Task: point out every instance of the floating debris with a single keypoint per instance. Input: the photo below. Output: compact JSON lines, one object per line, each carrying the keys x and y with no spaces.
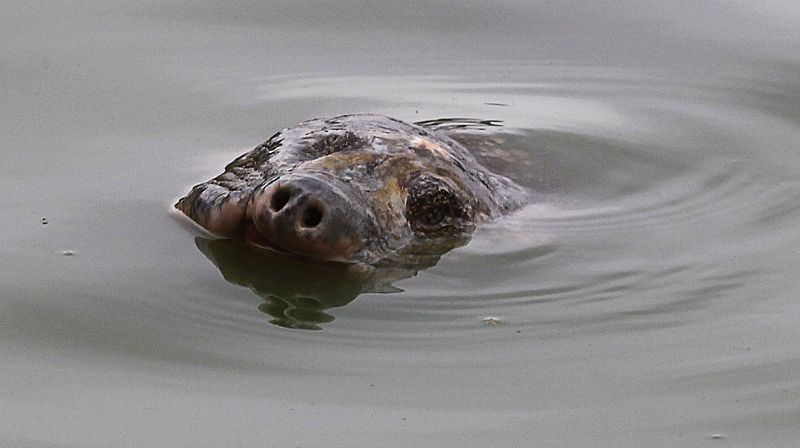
{"x":716,"y":436}
{"x":492,"y":321}
{"x":44,"y":221}
{"x":68,"y":253}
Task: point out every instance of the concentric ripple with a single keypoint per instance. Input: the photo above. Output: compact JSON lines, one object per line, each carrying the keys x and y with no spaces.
{"x":649,"y":198}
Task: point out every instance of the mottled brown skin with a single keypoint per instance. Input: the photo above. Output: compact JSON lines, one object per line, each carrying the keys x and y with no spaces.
{"x":353,"y":188}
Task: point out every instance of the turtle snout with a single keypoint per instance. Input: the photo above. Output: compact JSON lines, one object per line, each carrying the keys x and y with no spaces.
{"x":309,"y":217}
{"x":304,"y":213}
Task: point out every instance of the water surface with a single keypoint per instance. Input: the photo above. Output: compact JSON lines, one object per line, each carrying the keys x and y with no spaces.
{"x":646,"y":297}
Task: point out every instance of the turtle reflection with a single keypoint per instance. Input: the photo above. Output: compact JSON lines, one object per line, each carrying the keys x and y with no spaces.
{"x":296,"y":292}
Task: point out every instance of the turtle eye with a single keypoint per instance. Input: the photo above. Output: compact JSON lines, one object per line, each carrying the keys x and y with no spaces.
{"x":434,"y":217}
{"x":431,"y":205}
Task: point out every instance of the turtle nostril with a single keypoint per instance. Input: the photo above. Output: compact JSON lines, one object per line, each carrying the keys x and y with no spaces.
{"x":312,"y":216}
{"x":279,"y":199}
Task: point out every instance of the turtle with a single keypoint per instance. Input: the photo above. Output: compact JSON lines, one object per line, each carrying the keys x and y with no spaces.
{"x":358,"y":188}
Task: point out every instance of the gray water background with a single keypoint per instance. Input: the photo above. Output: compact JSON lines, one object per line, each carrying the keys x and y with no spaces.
{"x":649,"y":297}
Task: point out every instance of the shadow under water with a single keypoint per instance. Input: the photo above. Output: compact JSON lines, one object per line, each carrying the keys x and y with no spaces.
{"x":297,"y":292}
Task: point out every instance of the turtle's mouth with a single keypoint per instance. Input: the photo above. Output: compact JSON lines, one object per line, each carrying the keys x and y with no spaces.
{"x":308,"y":216}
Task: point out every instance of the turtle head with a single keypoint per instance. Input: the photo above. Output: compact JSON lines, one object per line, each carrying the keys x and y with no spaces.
{"x":356,"y":189}
{"x":335,"y":209}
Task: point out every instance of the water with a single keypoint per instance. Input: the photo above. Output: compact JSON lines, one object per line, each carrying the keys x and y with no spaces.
{"x":647,"y":297}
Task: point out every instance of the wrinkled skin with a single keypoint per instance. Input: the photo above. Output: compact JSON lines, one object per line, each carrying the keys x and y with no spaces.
{"x":353,"y":188}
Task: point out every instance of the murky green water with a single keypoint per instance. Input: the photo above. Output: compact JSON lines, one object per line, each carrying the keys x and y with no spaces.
{"x":647,"y":297}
